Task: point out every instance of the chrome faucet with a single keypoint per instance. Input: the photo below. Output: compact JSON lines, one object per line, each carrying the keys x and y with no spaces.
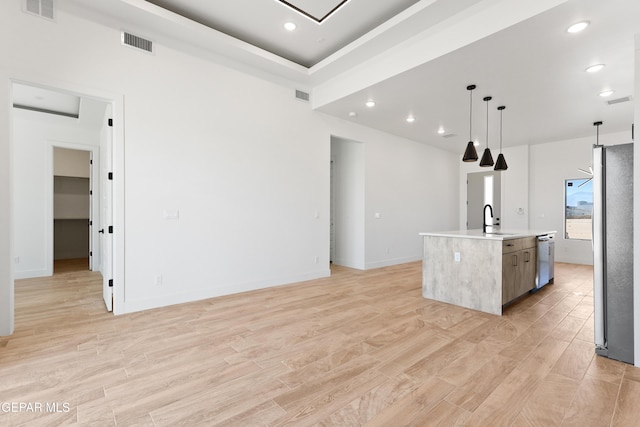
{"x":484,"y":217}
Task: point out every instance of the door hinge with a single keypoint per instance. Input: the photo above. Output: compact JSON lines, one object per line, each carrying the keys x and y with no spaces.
{"x":90,"y":223}
{"x":90,"y":253}
{"x":110,"y":176}
{"x":91,"y":192}
{"x":111,"y":283}
{"x":91,"y":161}
{"x":111,"y":229}
{"x":110,"y":122}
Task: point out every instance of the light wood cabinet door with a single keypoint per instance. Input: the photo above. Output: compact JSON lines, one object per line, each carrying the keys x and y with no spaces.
{"x":526,"y":272}
{"x":509,"y":276}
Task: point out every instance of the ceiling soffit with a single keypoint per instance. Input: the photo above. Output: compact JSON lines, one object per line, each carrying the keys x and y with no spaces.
{"x":316,"y":11}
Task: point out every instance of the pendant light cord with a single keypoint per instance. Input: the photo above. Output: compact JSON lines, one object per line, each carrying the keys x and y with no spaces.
{"x":501,"y":130}
{"x":597,"y":125}
{"x":488,"y":120}
{"x":470,"y":110}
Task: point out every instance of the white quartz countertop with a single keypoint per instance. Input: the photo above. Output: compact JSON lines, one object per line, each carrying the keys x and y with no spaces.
{"x":497,"y":234}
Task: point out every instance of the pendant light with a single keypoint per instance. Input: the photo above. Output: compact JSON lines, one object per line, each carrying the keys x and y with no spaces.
{"x":597,"y":125}
{"x":501,"y":163}
{"x":487,"y":158}
{"x":470,"y":154}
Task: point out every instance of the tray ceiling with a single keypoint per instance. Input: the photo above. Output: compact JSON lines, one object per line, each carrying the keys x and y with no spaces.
{"x":260,"y":22}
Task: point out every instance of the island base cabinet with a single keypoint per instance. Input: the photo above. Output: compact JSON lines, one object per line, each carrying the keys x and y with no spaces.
{"x":518,"y":268}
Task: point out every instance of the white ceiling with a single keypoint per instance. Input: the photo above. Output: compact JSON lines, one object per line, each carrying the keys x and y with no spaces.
{"x":536,"y":69}
{"x":417,"y":57}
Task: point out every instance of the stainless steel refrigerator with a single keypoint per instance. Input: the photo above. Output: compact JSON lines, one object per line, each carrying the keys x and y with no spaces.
{"x":613,"y":251}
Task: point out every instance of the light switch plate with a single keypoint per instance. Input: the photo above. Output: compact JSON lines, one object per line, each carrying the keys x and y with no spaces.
{"x":171,"y":214}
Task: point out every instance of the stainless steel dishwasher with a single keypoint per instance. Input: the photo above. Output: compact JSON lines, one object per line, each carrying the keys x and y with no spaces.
{"x":546,"y":249}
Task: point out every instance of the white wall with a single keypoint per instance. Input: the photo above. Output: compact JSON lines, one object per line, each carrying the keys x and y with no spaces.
{"x":413,"y":188}
{"x":550,"y":165}
{"x":513,"y":191}
{"x":348,"y":200}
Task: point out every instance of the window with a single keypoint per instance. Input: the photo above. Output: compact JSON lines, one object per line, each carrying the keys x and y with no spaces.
{"x":578,"y":202}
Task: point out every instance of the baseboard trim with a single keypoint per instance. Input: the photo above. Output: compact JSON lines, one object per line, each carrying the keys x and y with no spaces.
{"x":132,"y":306}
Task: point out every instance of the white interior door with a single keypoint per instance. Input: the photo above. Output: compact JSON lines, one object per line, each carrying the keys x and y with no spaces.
{"x":106,"y":217}
{"x":91,"y":218}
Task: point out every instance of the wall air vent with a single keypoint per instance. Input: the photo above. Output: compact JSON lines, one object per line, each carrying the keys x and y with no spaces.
{"x":619,"y":100}
{"x":136,"y":42}
{"x":302,"y":96}
{"x":41,"y":8}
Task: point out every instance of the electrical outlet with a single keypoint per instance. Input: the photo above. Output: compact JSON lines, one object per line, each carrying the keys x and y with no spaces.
{"x":158,"y":280}
{"x":456,"y":256}
{"x":316,"y":259}
{"x":16,"y":260}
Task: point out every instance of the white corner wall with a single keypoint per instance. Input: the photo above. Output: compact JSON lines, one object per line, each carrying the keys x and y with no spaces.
{"x":550,"y":165}
{"x":6,"y":221}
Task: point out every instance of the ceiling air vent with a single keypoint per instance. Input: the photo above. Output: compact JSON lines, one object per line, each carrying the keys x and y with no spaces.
{"x":42,"y":8}
{"x":619,"y":100}
{"x":137,"y":42}
{"x":303,"y":96}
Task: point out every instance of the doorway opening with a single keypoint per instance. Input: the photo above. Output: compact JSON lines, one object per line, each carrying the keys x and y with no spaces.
{"x":61,"y":208}
{"x":483,"y":188}
{"x":72,"y":213}
{"x":347,"y":203}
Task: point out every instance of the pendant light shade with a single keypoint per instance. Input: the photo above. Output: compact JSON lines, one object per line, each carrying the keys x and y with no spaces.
{"x":487,"y":158}
{"x":470,"y":154}
{"x":501,"y":163}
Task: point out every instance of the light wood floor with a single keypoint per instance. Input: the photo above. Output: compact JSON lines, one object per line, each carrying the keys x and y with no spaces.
{"x":357,"y":348}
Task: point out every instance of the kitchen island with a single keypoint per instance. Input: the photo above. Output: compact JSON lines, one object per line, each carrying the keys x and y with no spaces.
{"x":477,"y":270}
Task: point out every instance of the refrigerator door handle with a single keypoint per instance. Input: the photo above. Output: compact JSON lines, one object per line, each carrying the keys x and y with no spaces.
{"x":597,"y":219}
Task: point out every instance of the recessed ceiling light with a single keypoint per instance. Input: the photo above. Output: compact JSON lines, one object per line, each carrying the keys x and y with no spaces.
{"x":441,"y":131}
{"x":411,"y":119}
{"x":290,"y":26}
{"x":577,"y":27}
{"x":352,"y":114}
{"x":370,"y":104}
{"x":476,"y":143}
{"x":606,"y":93}
{"x":595,"y":68}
